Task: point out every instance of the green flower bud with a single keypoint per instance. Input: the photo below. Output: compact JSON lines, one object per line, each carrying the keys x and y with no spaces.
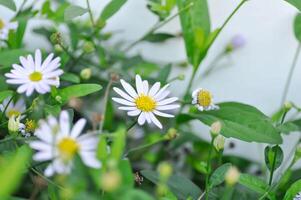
{"x":232,"y":176}
{"x":171,"y":134}
{"x":86,"y":73}
{"x":58,"y":99}
{"x":288,"y":105}
{"x":56,"y":38}
{"x":181,"y":77}
{"x":88,"y":47}
{"x":110,"y":181}
{"x":58,"y":48}
{"x":165,"y":170}
{"x":219,"y":142}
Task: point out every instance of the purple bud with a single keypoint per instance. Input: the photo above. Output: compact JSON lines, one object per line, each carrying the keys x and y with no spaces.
{"x":238,"y":41}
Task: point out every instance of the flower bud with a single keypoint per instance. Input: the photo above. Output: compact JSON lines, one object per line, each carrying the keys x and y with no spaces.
{"x":232,"y":176}
{"x":181,"y":77}
{"x":110,"y":181}
{"x":288,"y":105}
{"x":88,"y":47}
{"x":14,"y":124}
{"x":58,"y":48}
{"x":171,"y":134}
{"x":58,"y":99}
{"x":56,"y":38}
{"x":216,"y":128}
{"x":219,"y":142}
{"x":165,"y":170}
{"x":86,"y":73}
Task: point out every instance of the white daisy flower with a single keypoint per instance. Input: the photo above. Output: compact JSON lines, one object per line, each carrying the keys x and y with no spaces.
{"x":60,"y":143}
{"x":145,"y":102}
{"x":5,"y":27}
{"x":16,"y":109}
{"x":33,"y":74}
{"x":298,"y":196}
{"x":203,"y":100}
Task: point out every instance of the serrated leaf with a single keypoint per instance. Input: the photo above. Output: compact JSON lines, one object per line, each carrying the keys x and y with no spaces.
{"x":79,"y":90}
{"x":272,"y":153}
{"x":111,"y":8}
{"x":182,"y":187}
{"x":74,"y":11}
{"x":239,"y":121}
{"x":218,"y":176}
{"x":5,"y":94}
{"x":9,"y":4}
{"x":293,"y":190}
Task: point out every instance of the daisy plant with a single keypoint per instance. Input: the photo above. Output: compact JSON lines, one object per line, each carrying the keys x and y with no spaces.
{"x":203,"y":100}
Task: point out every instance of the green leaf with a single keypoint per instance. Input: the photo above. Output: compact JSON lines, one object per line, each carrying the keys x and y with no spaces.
{"x":73,"y":78}
{"x":9,"y":4}
{"x":218,"y":176}
{"x":296,"y":3}
{"x":12,"y":170}
{"x":9,"y":57}
{"x":118,"y":144}
{"x":79,"y":90}
{"x":15,"y":38}
{"x":74,"y":11}
{"x":297,"y":26}
{"x":52,"y":110}
{"x":290,"y":126}
{"x":272,"y":153}
{"x":111,"y":8}
{"x":293,"y":190}
{"x":195,"y":22}
{"x":158,"y":37}
{"x":182,"y":187}
{"x":253,"y":183}
{"x":239,"y":121}
{"x":136,"y":194}
{"x":164,"y":73}
{"x":5,"y":94}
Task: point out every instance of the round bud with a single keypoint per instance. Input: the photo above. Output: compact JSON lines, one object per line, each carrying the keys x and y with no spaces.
{"x":88,"y":47}
{"x":232,"y":176}
{"x":58,"y":99}
{"x":219,"y":142}
{"x":288,"y":105}
{"x":110,"y":181}
{"x":171,"y":134}
{"x":216,"y":128}
{"x":86,"y":73}
{"x":165,"y":170}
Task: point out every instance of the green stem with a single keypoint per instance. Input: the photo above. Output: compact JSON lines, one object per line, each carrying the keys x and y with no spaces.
{"x":131,"y":126}
{"x":105,"y":104}
{"x":208,"y":169}
{"x":45,"y":178}
{"x":145,"y":146}
{"x":157,"y":26}
{"x":290,"y":75}
{"x":90,"y":13}
{"x":6,"y":106}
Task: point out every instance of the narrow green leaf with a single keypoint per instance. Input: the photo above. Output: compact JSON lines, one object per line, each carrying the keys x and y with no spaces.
{"x":111,"y":8}
{"x":158,"y":37}
{"x":182,"y":187}
{"x":118,"y":144}
{"x":12,"y":170}
{"x":5,"y":94}
{"x":9,"y":4}
{"x":239,"y":121}
{"x":271,"y":153}
{"x":297,"y":26}
{"x":293,"y":190}
{"x":79,"y":90}
{"x":218,"y":176}
{"x":253,"y":183}
{"x":74,"y":11}
{"x":296,"y":3}
{"x":73,"y":78}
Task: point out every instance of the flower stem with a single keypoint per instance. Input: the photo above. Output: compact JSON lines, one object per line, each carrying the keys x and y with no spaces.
{"x":105,"y":104}
{"x":208,"y":169}
{"x":131,"y":126}
{"x":157,"y":26}
{"x":90,"y":13}
{"x":290,"y":75}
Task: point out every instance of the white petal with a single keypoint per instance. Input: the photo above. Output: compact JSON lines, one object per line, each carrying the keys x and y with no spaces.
{"x":155,"y":121}
{"x":145,"y":87}
{"x":29,"y":90}
{"x":147,"y":116}
{"x":130,"y":90}
{"x":127,"y":108}
{"x":156,"y":112}
{"x":54,"y":64}
{"x":38,"y":59}
{"x":23,"y":88}
{"x":124,"y":102}
{"x":17,"y":81}
{"x":134,"y":112}
{"x":154,"y":89}
{"x":163,"y":95}
{"x":43,"y":156}
{"x":123,"y":94}
{"x":65,"y":123}
{"x":53,"y":74}
{"x":49,"y":171}
{"x":78,"y":128}
{"x":168,"y":107}
{"x":40,"y":146}
{"x":167,"y":101}
{"x":139,"y":85}
{"x":90,"y":160}
{"x":141,"y":119}
{"x":47,"y":61}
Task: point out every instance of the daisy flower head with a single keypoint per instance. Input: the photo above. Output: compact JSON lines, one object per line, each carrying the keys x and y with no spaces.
{"x":35,"y":75}
{"x":5,"y":27}
{"x":59,"y":143}
{"x":203,"y":100}
{"x":13,"y":108}
{"x":145,"y":102}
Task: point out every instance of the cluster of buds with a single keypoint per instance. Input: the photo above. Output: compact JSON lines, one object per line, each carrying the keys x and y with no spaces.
{"x":218,"y":139}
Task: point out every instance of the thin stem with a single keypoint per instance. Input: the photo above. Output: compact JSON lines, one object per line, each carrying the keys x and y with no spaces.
{"x":209,"y":168}
{"x":21,"y":8}
{"x":131,"y":126}
{"x":45,"y":178}
{"x":90,"y":13}
{"x":156,"y":26}
{"x":106,"y":97}
{"x":290,"y":75}
{"x":145,"y":146}
{"x":6,"y":106}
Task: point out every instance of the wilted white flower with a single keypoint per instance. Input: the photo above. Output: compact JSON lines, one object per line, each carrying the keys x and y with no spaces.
{"x":5,"y":27}
{"x":16,"y":109}
{"x":298,"y":196}
{"x":60,"y":143}
{"x":203,"y":100}
{"x":33,"y":74}
{"x":145,"y":102}
{"x":14,"y":124}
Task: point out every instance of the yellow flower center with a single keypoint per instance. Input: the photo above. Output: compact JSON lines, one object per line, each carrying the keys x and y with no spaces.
{"x":68,"y":147}
{"x":204,"y":98}
{"x":145,"y":103}
{"x":1,"y":24}
{"x":12,"y":112}
{"x":35,"y":76}
{"x":30,"y":125}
